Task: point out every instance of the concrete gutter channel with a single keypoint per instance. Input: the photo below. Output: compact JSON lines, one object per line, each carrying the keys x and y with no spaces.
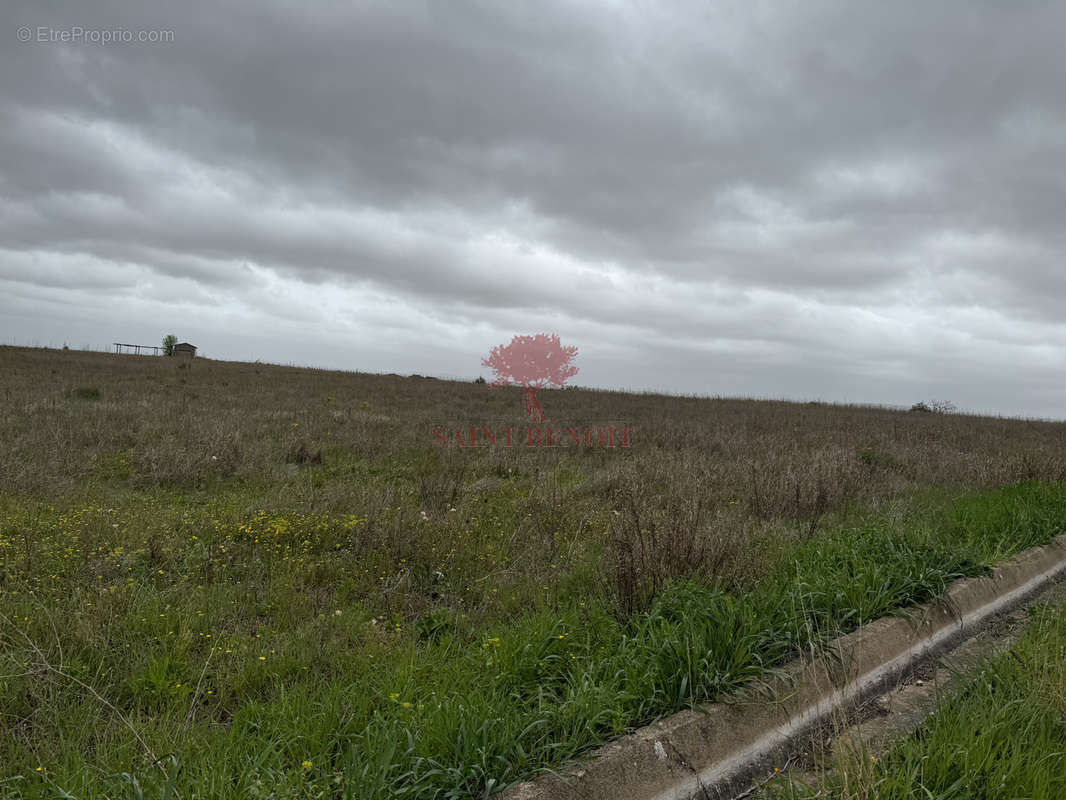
{"x":874,"y":727}
{"x":718,"y":751}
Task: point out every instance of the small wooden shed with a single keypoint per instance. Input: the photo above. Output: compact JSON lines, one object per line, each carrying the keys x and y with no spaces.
{"x":184,"y":350}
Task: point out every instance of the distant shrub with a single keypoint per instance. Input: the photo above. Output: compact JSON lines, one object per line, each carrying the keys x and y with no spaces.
{"x":935,"y":407}
{"x":169,"y":341}
{"x":85,"y":393}
{"x":480,"y":380}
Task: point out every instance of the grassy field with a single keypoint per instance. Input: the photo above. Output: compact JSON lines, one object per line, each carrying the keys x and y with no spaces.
{"x":249,"y":580}
{"x":1004,"y":737}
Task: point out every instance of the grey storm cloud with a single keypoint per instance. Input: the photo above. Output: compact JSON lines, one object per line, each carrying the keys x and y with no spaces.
{"x":848,"y":200}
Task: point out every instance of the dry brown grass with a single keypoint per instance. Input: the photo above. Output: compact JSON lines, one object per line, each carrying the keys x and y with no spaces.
{"x":700,"y":481}
{"x":297,"y":543}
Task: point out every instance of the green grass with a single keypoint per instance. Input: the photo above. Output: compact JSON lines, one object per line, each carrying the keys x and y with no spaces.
{"x":1003,"y":737}
{"x":279,"y":578}
{"x":203,"y":628}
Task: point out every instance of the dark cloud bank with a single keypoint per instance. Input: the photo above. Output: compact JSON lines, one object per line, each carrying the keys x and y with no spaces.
{"x":849,"y":201}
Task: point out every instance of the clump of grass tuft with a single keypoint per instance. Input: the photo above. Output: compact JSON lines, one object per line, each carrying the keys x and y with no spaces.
{"x":300,"y":453}
{"x":874,"y":458}
{"x":656,"y":538}
{"x":85,"y":393}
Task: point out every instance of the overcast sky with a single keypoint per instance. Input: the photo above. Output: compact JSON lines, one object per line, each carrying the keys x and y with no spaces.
{"x":849,"y":201}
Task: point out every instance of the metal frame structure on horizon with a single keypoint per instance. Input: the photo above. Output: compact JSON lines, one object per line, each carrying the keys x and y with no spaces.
{"x":137,"y":348}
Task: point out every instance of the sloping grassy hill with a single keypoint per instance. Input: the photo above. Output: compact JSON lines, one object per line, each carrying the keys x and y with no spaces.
{"x":299,"y":584}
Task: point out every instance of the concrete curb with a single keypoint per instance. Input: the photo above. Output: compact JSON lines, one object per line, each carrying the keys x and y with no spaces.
{"x":716,"y":752}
